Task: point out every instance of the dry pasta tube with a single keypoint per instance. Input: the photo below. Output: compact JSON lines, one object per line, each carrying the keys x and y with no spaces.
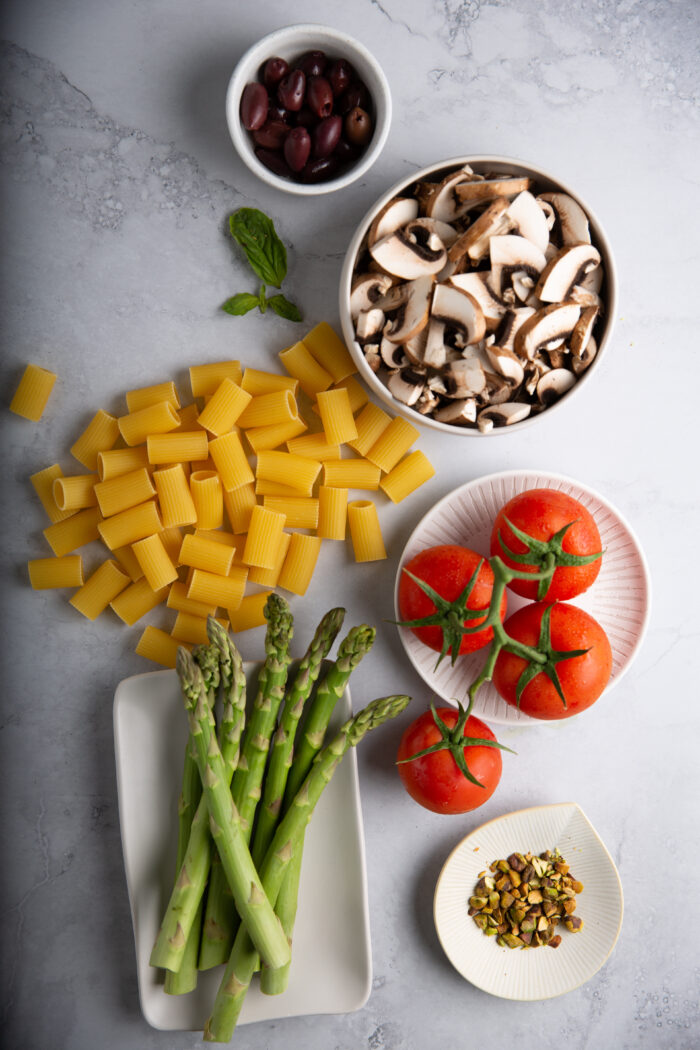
{"x":153,"y":559}
{"x":264,"y":533}
{"x":151,"y":395}
{"x":250,"y":613}
{"x":158,"y":646}
{"x":299,"y":472}
{"x":212,"y":589}
{"x":332,"y":512}
{"x":221,"y":536}
{"x":49,"y":573}
{"x":269,"y":577}
{"x":138,"y":599}
{"x":204,"y":379}
{"x":314,"y":446}
{"x":356,"y":392}
{"x":130,"y":525}
{"x":257,"y":382}
{"x":336,"y":415}
{"x":261,"y":438}
{"x":392,"y":444}
{"x":351,"y":474}
{"x":111,"y":463}
{"x":100,"y":589}
{"x":300,"y":512}
{"x":177,"y":599}
{"x":371,"y":424}
{"x":32,"y":394}
{"x":407,"y":476}
{"x":273,"y":488}
{"x":239,"y":505}
{"x":66,"y":536}
{"x":189,"y":628}
{"x":299,"y":363}
{"x":231,"y":461}
{"x":330,"y":351}
{"x":75,"y":492}
{"x":200,"y":553}
{"x":42,"y":483}
{"x":124,"y":491}
{"x":177,"y":447}
{"x":208,"y":497}
{"x":365,"y":532}
{"x":224,"y":407}
{"x":172,"y":541}
{"x":189,"y":417}
{"x":176,"y":503}
{"x":128,"y":561}
{"x":156,"y":419}
{"x":99,"y":436}
{"x":299,"y":565}
{"x":279,"y":406}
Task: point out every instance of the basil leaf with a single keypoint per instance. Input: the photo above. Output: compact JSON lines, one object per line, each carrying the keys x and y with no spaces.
{"x":265,"y":252}
{"x":240,"y":304}
{"x":283,"y":308}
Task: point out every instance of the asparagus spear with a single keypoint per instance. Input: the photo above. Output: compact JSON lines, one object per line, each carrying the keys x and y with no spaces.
{"x":180,"y":918}
{"x":358,"y":641}
{"x":285,"y":843}
{"x":220,"y":920}
{"x":225,"y":823}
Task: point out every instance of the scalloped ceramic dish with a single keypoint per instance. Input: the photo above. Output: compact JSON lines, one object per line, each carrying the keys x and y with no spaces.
{"x":539,"y":973}
{"x":150,"y":731}
{"x":620,"y":598}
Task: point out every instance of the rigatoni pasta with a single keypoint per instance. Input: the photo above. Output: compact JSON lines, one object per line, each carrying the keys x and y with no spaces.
{"x":178,"y":600}
{"x":392,"y":444}
{"x":261,"y":438}
{"x":332,"y":512}
{"x":278,"y":406}
{"x":407,"y":476}
{"x":130,"y":525}
{"x":264,"y":533}
{"x":250,"y":613}
{"x":100,"y":589}
{"x":136,"y":600}
{"x":224,"y":407}
{"x":115,"y":461}
{"x":212,"y":589}
{"x":177,"y":447}
{"x":157,"y":645}
{"x":300,"y":512}
{"x":200,"y":553}
{"x":365,"y":531}
{"x":336,"y":415}
{"x":124,"y":491}
{"x":208,"y":497}
{"x":50,"y":573}
{"x":239,"y":505}
{"x":231,"y":461}
{"x":300,"y":562}
{"x":67,"y":535}
{"x":155,"y":562}
{"x":32,"y":394}
{"x":155,"y":419}
{"x":256,"y":382}
{"x":330,"y":351}
{"x":176,"y":503}
{"x":269,"y":577}
{"x":371,"y":423}
{"x":75,"y":492}
{"x":300,"y":364}
{"x":351,"y":474}
{"x":314,"y":446}
{"x":99,"y":435}
{"x":204,"y":379}
{"x":298,"y":472}
{"x":151,"y":395}
{"x":42,"y":483}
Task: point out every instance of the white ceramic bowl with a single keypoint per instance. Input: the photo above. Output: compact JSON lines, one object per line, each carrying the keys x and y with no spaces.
{"x":538,"y":973}
{"x":544,"y":182}
{"x":291,"y":42}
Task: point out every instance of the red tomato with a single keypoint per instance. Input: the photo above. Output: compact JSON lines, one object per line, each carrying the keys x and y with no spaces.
{"x":447,"y":569}
{"x":542,"y":513}
{"x":435,"y":780}
{"x":582,"y":678}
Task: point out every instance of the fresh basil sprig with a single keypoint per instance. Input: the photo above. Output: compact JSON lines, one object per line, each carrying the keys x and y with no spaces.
{"x":267,"y":257}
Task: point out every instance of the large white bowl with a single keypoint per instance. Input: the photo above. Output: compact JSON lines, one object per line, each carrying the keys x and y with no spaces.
{"x":545,"y":182}
{"x":289,"y":43}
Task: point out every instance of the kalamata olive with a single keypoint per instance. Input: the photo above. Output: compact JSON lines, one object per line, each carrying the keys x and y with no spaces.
{"x":277,"y":112}
{"x":358,"y":127}
{"x":305,"y":118}
{"x":272,"y":134}
{"x":273,"y":160}
{"x":356,"y":95}
{"x":319,"y":97}
{"x":290,"y":90}
{"x":297,"y":147}
{"x":326,"y":135}
{"x":273,"y":71}
{"x":319,"y":169}
{"x":344,"y":153}
{"x":312,"y":64}
{"x":254,"y":103}
{"x":339,"y":75}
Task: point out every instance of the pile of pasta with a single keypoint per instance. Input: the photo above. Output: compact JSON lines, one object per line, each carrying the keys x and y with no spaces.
{"x":164,"y":480}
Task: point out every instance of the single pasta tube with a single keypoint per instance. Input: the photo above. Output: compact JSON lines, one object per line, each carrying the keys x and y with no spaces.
{"x":32,"y":394}
{"x":75,"y":492}
{"x":407,"y":476}
{"x":176,"y":503}
{"x":274,"y":488}
{"x":365,"y":532}
{"x":392,"y":444}
{"x":314,"y":446}
{"x":124,"y":491}
{"x":172,"y":541}
{"x":330,"y":351}
{"x":231,"y":461}
{"x":189,"y":628}
{"x":261,"y":438}
{"x":200,"y":553}
{"x":299,"y":472}
{"x":371,"y":423}
{"x":146,"y":396}
{"x":208,"y":496}
{"x":153,"y":559}
{"x":269,"y":577}
{"x":66,"y":536}
{"x":204,"y":379}
{"x":300,"y":512}
{"x":223,"y":591}
{"x":177,"y":599}
{"x":299,"y":565}
{"x":189,"y":418}
{"x":336,"y":416}
{"x":356,"y":392}
{"x":351,"y":474}
{"x":138,"y":599}
{"x":299,"y":363}
{"x":49,"y":573}
{"x":258,"y":382}
{"x":224,"y":407}
{"x":264,"y":532}
{"x":158,"y":646}
{"x":279,"y":406}
{"x":128,"y":561}
{"x":99,"y":436}
{"x":42,"y":483}
{"x":239,"y":505}
{"x":112,"y":463}
{"x":332,"y":512}
{"x":100,"y":589}
{"x":130,"y":525}
{"x":156,"y":419}
{"x":177,"y":447}
{"x":250,"y":613}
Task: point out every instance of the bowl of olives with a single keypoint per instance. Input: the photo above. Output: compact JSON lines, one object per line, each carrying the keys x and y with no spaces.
{"x":308,"y":109}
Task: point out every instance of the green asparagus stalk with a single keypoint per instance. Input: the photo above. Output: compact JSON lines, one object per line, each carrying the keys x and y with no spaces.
{"x":221,"y":920}
{"x":225,"y":823}
{"x":358,"y":641}
{"x":244,"y":957}
{"x":180,"y":918}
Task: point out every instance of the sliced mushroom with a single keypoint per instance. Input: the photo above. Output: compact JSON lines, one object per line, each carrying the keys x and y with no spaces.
{"x":512,"y":322}
{"x":513,"y":254}
{"x":371,"y":352}
{"x":444,"y":230}
{"x":392,"y":354}
{"x":585,"y":298}
{"x":435,"y":350}
{"x":529,"y":220}
{"x":553,"y":384}
{"x":367,"y":288}
{"x":369,"y":324}
{"x":410,"y":252}
{"x":459,"y":412}
{"x":473,"y":192}
{"x":414,"y":348}
{"x":407,"y":385}
{"x":580,"y":364}
{"x":534,"y":370}
{"x":523,"y":285}
{"x":427,"y":403}
{"x":502,"y":415}
{"x":460,"y":311}
{"x":545,"y":326}
{"x":443,"y":202}
{"x":474,"y":242}
{"x":498,"y":389}
{"x":571,"y":224}
{"x":477,"y":284}
{"x":549,"y":213}
{"x":567,"y":269}
{"x":506,"y":363}
{"x":412,"y":315}
{"x":392,"y":216}
{"x":556,"y":357}
{"x":583,"y":330}
{"x":464,"y":378}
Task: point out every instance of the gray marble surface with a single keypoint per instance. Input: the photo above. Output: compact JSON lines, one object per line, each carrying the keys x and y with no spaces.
{"x":117,"y":179}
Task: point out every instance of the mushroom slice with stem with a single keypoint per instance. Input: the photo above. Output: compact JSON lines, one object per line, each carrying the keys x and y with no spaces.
{"x":413,"y":312}
{"x":392,"y":217}
{"x":502,"y":415}
{"x":567,"y":269}
{"x":463,"y":378}
{"x":371,"y":352}
{"x":435,"y":350}
{"x":554,"y":384}
{"x":488,"y":189}
{"x":512,"y":322}
{"x":546,"y":326}
{"x":369,"y":324}
{"x":506,"y":363}
{"x":392,"y":354}
{"x":443,"y":203}
{"x":410,"y":252}
{"x":461,"y":412}
{"x":474,"y":242}
{"x":529,"y":220}
{"x":583,"y":330}
{"x":477,"y":284}
{"x":580,"y":364}
{"x":460,"y":311}
{"x":367,"y":288}
{"x":406,"y":385}
{"x":571,"y":225}
{"x":444,"y":230}
{"x":414,"y":348}
{"x":512,"y":254}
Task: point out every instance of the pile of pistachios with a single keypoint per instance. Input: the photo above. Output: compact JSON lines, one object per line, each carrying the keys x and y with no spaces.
{"x":521,"y":900}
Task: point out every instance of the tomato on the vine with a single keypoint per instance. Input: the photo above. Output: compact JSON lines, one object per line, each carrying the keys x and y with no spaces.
{"x":578,"y":654}
{"x":544,"y":515}
{"x":448,"y":570}
{"x":435,"y":780}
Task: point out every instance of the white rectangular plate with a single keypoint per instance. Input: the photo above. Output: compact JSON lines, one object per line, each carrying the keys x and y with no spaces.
{"x":331,"y":968}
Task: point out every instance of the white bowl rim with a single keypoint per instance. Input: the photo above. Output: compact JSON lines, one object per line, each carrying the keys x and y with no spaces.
{"x":368,"y":375}
{"x":381,"y":98}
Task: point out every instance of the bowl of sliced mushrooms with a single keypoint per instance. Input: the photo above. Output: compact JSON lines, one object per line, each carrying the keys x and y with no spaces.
{"x":477,"y":295}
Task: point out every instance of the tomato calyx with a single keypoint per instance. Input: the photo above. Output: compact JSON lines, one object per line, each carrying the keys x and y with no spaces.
{"x":547,"y":555}
{"x":553,"y":657}
{"x":448,"y":615}
{"x":455,"y":741}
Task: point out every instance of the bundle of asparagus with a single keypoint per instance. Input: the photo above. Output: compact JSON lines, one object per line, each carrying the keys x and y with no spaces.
{"x":248,"y":792}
